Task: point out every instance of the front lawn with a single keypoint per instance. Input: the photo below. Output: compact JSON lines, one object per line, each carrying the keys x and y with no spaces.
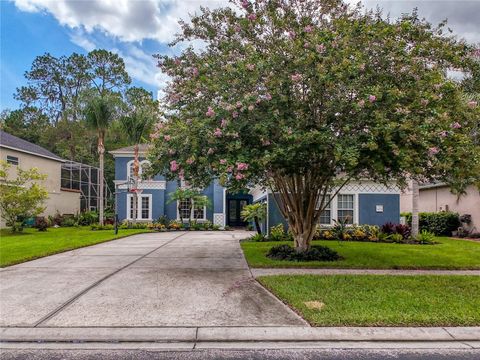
{"x":448,"y":254}
{"x":379,"y":300}
{"x":31,"y":243}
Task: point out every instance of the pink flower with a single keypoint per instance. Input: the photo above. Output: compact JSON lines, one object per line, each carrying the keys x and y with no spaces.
{"x":372,"y":98}
{"x":171,"y":151}
{"x":242,"y":166}
{"x":250,"y":67}
{"x":268,"y":97}
{"x":223,"y":123}
{"x":433,"y":151}
{"x":320,"y":48}
{"x":252,"y":17}
{"x":237,"y":28}
{"x":223,"y":161}
{"x":292,"y":34}
{"x":443,"y":133}
{"x":229,"y":168}
{"x":177,"y":61}
{"x":239,"y":176}
{"x":217,"y":132}
{"x":472,"y":104}
{"x":245,"y":4}
{"x":361,"y":103}
{"x":238,"y":104}
{"x":251,"y":107}
{"x":190,"y":161}
{"x":195,"y":71}
{"x":154,"y":135}
{"x":296,"y":77}
{"x":265,"y":142}
{"x":210,"y":151}
{"x":424,"y":102}
{"x":181,"y":174}
{"x":306,"y":45}
{"x":159,"y":125}
{"x":308,"y":28}
{"x":235,"y":114}
{"x":456,"y":125}
{"x":289,"y":131}
{"x":167,"y":137}
{"x":210,"y":112}
{"x":361,"y":67}
{"x":173,"y":166}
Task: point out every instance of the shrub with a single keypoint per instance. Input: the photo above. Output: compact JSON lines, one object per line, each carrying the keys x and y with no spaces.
{"x":68,"y":222}
{"x":41,"y":223}
{"x":439,"y":223}
{"x":102,"y":227}
{"x":315,"y":253}
{"x":257,"y":237}
{"x":354,"y":232}
{"x":57,"y":219}
{"x":426,"y":237}
{"x":175,"y":225}
{"x":163,"y":220}
{"x":88,"y":218}
{"x":277,"y":233}
{"x":400,"y":229}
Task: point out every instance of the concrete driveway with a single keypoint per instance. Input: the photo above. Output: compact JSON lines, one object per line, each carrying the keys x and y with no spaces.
{"x":155,"y":279}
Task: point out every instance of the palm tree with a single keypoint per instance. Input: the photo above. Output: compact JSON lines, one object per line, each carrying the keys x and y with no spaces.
{"x":256,"y":213}
{"x":99,"y":114}
{"x":135,"y":127}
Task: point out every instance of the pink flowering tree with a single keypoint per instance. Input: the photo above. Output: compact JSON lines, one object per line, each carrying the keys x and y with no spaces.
{"x":302,"y":97}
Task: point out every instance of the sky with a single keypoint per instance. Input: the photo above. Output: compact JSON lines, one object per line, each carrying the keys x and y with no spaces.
{"x":137,"y":29}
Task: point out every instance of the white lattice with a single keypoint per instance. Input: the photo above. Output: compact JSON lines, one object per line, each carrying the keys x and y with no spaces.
{"x":219,"y":219}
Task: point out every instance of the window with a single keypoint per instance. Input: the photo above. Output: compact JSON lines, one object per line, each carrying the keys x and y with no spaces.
{"x":326,"y":215}
{"x":12,"y":160}
{"x":345,"y":208}
{"x":189,"y":210}
{"x":140,"y":167}
{"x":144,"y":207}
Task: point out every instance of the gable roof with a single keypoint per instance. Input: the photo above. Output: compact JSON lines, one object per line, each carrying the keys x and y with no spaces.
{"x":9,"y":141}
{"x":129,"y":150}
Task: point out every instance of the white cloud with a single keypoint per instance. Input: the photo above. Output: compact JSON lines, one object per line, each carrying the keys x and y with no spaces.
{"x":127,"y":20}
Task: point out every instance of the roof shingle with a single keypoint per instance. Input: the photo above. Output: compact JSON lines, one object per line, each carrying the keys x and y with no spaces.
{"x":9,"y":141}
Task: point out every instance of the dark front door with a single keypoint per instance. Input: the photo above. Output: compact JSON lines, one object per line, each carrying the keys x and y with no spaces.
{"x":235,"y":207}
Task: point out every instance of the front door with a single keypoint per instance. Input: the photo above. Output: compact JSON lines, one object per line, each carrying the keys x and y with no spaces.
{"x":235,"y":207}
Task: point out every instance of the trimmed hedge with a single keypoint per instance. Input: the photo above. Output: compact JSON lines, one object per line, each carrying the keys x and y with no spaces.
{"x":439,"y":223}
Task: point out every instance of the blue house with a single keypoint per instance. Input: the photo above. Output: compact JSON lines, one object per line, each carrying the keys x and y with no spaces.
{"x":362,"y":202}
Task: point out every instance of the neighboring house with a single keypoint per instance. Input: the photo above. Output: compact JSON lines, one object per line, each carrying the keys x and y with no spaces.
{"x":438,"y":197}
{"x":362,"y":202}
{"x":25,"y":155}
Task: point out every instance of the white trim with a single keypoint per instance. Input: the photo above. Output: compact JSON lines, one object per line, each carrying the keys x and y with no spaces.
{"x":139,"y":207}
{"x":32,"y":153}
{"x":144,"y":185}
{"x":224,"y":207}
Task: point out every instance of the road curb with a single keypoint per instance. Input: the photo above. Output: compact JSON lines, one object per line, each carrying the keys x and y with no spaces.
{"x":239,"y":334}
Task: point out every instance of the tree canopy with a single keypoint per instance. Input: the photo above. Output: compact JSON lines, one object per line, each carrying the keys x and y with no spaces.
{"x":305,"y":96}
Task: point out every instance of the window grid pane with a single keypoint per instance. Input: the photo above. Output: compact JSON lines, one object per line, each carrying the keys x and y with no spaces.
{"x":145,"y":207}
{"x":131,"y":207}
{"x":184,"y":209}
{"x":198,"y":213}
{"x":345,"y":208}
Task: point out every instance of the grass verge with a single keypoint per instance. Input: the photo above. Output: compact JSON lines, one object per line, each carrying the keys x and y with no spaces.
{"x":32,"y":244}
{"x":450,"y":254}
{"x":380,"y":300}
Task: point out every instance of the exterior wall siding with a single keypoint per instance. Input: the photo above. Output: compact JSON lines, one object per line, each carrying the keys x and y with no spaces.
{"x":368,"y":213}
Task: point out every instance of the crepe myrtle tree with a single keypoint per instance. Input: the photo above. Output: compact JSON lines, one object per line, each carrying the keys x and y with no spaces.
{"x":302,"y":97}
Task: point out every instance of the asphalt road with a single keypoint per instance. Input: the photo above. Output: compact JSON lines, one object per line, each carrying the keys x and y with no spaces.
{"x":253,"y":355}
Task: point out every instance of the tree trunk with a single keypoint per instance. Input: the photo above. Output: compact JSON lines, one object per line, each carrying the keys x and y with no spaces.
{"x":257,"y":225}
{"x":415,"y":199}
{"x":101,"y":152}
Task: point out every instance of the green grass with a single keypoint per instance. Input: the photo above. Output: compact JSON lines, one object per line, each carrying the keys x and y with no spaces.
{"x":448,"y":254}
{"x":379,"y":300}
{"x":32,"y":244}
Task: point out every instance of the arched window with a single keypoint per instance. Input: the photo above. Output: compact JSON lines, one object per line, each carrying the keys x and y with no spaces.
{"x":130,"y":167}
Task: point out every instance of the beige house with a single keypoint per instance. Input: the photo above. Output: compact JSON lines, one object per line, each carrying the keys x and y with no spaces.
{"x":438,"y":197}
{"x":25,"y":155}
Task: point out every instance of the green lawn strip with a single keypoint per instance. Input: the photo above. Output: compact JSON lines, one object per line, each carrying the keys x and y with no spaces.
{"x":380,"y":300}
{"x":32,"y":244}
{"x":449,"y":254}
